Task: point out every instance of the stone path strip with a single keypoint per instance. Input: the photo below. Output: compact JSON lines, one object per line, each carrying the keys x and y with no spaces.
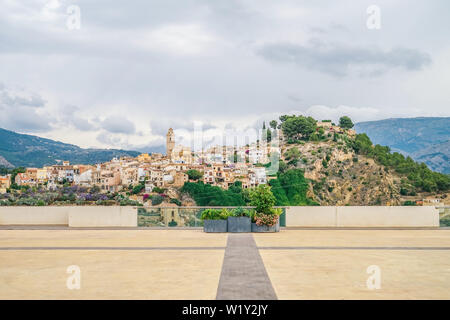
{"x":244,"y":276}
{"x":353,"y":248}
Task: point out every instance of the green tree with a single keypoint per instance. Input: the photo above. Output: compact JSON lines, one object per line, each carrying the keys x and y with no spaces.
{"x":207,"y":195}
{"x":137,"y":189}
{"x":269,"y":135}
{"x":194,"y":174}
{"x":273,"y":124}
{"x":263,"y":199}
{"x":296,"y":186}
{"x":279,"y":193}
{"x":345,"y":122}
{"x":298,"y":127}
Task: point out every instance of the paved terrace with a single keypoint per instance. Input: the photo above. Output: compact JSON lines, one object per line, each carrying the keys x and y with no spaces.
{"x":190,"y":264}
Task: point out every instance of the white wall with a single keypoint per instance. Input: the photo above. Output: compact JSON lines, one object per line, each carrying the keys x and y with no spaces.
{"x":109,"y":216}
{"x":364,"y":216}
{"x":73,"y":216}
{"x":311,"y":216}
{"x":34,"y":215}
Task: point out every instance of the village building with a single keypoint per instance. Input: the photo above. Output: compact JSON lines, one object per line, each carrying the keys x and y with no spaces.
{"x":5,"y":183}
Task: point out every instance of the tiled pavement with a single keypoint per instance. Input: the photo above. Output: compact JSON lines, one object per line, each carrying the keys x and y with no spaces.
{"x":189,"y":264}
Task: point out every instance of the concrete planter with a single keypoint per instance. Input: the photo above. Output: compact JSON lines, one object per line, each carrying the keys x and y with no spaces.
{"x":274,"y":228}
{"x":215,"y":226}
{"x":239,"y":224}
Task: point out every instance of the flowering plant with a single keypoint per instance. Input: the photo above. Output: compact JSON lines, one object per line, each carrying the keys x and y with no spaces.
{"x":266,"y":219}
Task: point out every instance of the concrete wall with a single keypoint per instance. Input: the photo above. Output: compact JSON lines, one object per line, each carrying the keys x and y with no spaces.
{"x":34,"y":215}
{"x":116,"y":216}
{"x":311,"y":217}
{"x":73,"y":216}
{"x":362,"y":217}
{"x":103,"y":217}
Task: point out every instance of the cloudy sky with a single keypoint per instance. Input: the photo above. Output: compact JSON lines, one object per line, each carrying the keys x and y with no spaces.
{"x":135,"y":68}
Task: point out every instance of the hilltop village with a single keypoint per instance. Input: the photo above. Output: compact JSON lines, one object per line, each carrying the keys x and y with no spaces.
{"x":219,"y":166}
{"x":306,"y":162}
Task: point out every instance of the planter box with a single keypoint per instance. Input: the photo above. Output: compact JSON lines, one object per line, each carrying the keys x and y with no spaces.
{"x":239,"y":224}
{"x":215,"y":225}
{"x":274,"y":228}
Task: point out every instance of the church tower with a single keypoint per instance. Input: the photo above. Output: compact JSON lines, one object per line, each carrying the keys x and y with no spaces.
{"x":170,"y":143}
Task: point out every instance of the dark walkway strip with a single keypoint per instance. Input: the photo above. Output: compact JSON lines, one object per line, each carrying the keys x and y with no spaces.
{"x":354,"y":248}
{"x":244,"y":276}
{"x":111,"y":248}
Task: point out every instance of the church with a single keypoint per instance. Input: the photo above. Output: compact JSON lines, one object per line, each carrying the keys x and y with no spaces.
{"x":177,"y":153}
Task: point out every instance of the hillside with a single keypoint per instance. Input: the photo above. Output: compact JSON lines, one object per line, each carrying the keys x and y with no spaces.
{"x":345,"y":168}
{"x":424,"y":139}
{"x":345,"y":178}
{"x":24,"y":150}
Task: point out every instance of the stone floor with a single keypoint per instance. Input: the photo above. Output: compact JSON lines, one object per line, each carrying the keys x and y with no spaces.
{"x":190,"y":264}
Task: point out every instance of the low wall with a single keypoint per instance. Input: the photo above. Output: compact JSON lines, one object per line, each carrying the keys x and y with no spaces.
{"x":72,"y":216}
{"x":103,"y":217}
{"x":116,"y":216}
{"x":364,"y":216}
{"x":311,"y":217}
{"x":34,"y":215}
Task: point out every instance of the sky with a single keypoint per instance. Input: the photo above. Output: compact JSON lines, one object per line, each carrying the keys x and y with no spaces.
{"x":118,"y":74}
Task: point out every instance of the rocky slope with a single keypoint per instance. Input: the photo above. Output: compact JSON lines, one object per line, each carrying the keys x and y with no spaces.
{"x":340,"y":177}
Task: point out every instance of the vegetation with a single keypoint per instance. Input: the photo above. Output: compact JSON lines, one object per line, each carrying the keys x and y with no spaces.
{"x":68,"y":195}
{"x":263,"y":200}
{"x":207,"y":195}
{"x":241,"y":212}
{"x":292,"y":155}
{"x":215,"y":214}
{"x":290,"y":189}
{"x":419,"y":176}
{"x":157,"y":199}
{"x":298,"y":127}
{"x":194,"y":174}
{"x":273,"y":124}
{"x":345,"y":122}
{"x":138,"y":188}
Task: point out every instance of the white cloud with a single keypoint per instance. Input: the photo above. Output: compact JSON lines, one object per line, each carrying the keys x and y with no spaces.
{"x":189,"y":39}
{"x":134,"y":70}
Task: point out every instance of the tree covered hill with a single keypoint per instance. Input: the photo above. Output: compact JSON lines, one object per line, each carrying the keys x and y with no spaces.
{"x":24,"y":150}
{"x":424,"y":139}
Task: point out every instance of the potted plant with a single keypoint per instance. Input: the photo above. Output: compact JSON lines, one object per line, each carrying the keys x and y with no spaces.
{"x":266,"y":218}
{"x":215,"y":220}
{"x":240,"y":220}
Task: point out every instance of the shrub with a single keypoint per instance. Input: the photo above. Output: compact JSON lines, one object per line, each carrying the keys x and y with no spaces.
{"x":241,"y":212}
{"x":263,"y":199}
{"x":157,"y":199}
{"x":215,"y":214}
{"x":194,"y":174}
{"x":266,"y":219}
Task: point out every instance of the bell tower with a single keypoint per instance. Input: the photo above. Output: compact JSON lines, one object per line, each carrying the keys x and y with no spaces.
{"x":170,"y":143}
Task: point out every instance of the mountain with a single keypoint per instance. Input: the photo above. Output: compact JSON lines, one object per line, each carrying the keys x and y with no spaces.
{"x":22,"y":150}
{"x":424,"y":139}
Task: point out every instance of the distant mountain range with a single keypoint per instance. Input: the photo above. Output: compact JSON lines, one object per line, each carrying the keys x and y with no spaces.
{"x":22,"y":150}
{"x":424,"y":139}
